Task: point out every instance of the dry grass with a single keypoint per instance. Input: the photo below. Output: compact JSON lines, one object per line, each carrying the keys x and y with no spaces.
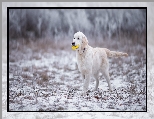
{"x":44,"y":76}
{"x":55,"y":78}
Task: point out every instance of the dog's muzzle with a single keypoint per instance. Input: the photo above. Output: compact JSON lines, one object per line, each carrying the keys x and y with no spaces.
{"x":73,"y":44}
{"x":74,"y":47}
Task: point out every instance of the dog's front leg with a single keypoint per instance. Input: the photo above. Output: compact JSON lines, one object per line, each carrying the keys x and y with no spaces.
{"x":86,"y":83}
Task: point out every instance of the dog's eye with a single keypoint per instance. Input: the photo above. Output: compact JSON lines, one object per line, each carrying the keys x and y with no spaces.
{"x":74,"y":38}
{"x":78,"y":38}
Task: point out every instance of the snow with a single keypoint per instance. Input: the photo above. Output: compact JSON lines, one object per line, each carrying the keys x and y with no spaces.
{"x":49,"y":101}
{"x":53,"y":83}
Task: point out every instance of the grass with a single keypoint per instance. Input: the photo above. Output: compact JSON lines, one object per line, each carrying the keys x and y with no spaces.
{"x":45,"y":74}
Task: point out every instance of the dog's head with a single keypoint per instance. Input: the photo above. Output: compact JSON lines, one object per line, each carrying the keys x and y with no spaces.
{"x":79,"y":40}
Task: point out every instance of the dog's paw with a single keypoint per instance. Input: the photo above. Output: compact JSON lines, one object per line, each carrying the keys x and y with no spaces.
{"x":82,"y":93}
{"x":110,"y":89}
{"x":95,"y":89}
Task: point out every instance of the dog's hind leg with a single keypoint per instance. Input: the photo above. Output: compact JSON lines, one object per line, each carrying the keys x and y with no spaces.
{"x":83,"y":76}
{"x":107,"y":77}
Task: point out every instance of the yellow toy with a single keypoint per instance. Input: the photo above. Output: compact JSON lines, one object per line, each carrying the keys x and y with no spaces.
{"x":75,"y":47}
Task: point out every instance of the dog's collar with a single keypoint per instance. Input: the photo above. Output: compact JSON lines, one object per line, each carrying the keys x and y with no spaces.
{"x":84,"y":49}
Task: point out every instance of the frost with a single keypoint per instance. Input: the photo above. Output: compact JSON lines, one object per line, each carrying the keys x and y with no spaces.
{"x":52,"y":84}
{"x":126,"y":70}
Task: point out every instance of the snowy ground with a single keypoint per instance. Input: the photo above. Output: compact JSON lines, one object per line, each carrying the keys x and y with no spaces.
{"x":83,"y":115}
{"x":44,"y":79}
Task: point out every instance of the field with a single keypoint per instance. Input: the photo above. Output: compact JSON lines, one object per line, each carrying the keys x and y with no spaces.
{"x":43,"y":76}
{"x":20,"y":53}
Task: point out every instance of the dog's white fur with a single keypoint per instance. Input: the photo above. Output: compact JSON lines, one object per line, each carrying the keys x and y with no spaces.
{"x":91,"y":60}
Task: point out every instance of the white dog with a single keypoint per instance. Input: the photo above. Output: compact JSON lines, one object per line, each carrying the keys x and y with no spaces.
{"x":91,"y":60}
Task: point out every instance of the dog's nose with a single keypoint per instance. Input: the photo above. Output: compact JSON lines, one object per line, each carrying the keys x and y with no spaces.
{"x":73,"y":43}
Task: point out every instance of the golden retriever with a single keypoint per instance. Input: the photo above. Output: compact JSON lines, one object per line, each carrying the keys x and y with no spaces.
{"x":91,"y":60}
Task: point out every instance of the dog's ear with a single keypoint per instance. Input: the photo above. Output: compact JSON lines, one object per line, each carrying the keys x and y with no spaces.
{"x":84,"y":40}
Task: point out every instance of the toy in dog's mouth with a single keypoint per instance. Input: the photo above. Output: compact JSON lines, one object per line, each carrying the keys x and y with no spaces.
{"x":75,"y":47}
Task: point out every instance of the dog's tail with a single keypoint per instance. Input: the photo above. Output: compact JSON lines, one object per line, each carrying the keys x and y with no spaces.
{"x":114,"y":53}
